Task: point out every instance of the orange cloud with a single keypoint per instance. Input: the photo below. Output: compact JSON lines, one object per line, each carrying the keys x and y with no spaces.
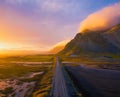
{"x":59,"y":46}
{"x":102,"y":19}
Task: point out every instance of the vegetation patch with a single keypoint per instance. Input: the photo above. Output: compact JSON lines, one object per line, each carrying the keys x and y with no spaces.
{"x":7,"y":91}
{"x":43,"y":87}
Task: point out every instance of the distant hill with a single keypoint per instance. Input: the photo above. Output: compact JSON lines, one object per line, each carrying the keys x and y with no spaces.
{"x":58,"y":47}
{"x":94,"y":42}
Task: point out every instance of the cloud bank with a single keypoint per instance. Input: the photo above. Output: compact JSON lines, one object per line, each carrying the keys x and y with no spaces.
{"x":62,"y":43}
{"x":102,"y":19}
{"x":59,"y":46}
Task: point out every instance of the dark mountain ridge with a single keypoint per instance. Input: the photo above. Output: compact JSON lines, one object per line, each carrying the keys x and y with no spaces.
{"x":94,"y":42}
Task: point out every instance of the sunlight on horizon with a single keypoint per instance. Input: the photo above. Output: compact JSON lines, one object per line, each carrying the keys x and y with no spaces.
{"x":14,"y":49}
{"x":3,"y":46}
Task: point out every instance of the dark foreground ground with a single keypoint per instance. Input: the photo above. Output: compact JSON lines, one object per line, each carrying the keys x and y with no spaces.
{"x":95,"y":82}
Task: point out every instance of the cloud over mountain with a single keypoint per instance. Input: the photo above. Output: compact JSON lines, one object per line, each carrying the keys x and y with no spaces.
{"x":59,"y":46}
{"x":102,"y":19}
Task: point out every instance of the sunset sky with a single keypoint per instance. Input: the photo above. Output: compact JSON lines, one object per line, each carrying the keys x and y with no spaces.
{"x":40,"y":24}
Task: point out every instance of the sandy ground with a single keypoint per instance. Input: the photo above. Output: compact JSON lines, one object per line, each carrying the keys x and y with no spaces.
{"x":19,"y":90}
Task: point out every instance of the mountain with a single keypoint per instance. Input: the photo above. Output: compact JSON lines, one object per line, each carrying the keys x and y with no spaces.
{"x":94,"y":42}
{"x":113,"y":35}
{"x":58,"y":47}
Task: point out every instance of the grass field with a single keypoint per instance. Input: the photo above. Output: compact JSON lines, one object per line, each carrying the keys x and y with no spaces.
{"x":107,"y":61}
{"x":28,"y":58}
{"x":20,"y":71}
{"x":8,"y":69}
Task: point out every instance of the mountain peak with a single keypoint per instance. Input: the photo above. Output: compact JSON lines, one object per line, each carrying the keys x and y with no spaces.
{"x":94,"y":41}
